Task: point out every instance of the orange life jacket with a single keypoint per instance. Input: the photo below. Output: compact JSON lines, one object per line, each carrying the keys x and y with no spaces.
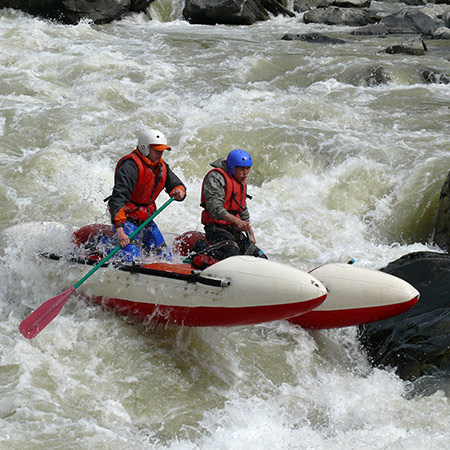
{"x":148,"y":186}
{"x":235,"y":197}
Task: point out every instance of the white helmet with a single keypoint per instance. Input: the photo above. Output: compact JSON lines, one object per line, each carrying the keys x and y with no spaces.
{"x":154,"y":138}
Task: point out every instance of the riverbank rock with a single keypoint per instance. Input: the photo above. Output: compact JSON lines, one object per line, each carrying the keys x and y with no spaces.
{"x":232,"y":12}
{"x":416,"y":343}
{"x":442,"y":227}
{"x":72,"y":11}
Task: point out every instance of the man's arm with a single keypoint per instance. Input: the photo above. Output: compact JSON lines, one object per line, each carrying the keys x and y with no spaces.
{"x":124,"y":183}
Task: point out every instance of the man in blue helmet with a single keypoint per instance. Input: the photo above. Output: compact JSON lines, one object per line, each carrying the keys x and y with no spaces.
{"x":225,"y":214}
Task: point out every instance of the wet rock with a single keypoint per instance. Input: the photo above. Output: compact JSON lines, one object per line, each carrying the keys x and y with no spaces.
{"x":417,"y":342}
{"x":306,"y":5}
{"x":367,"y":76}
{"x":415,"y":2}
{"x":441,"y":12}
{"x":72,"y":11}
{"x":377,"y":29}
{"x":276,"y":8}
{"x":332,"y":15}
{"x":226,"y":12}
{"x":414,"y":46}
{"x":315,"y":38}
{"x":376,"y":77}
{"x":441,"y":33}
{"x":446,"y":18}
{"x":409,"y":21}
{"x":442,"y":227}
{"x":435,"y":77}
{"x":431,"y":21}
{"x":232,"y":12}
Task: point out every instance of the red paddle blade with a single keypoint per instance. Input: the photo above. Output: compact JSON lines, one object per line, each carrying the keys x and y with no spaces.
{"x":32,"y":325}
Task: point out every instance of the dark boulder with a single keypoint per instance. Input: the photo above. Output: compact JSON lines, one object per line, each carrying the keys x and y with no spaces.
{"x":442,"y":227}
{"x":306,"y":5}
{"x":276,"y":8}
{"x":232,"y":12}
{"x":229,"y":12}
{"x":416,"y":343}
{"x":72,"y":11}
{"x":314,"y":38}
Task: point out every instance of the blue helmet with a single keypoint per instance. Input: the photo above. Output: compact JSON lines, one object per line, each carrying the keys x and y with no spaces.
{"x":238,"y":158}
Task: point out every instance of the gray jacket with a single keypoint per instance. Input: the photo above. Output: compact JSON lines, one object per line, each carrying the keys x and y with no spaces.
{"x":214,"y":191}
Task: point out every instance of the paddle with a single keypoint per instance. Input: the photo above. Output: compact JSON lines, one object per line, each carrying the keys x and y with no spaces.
{"x":32,"y":325}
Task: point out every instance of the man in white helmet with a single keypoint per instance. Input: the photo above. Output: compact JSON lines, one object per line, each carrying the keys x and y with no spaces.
{"x":139,"y":178}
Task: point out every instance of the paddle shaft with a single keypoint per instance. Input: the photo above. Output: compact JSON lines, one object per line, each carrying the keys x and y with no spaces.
{"x":32,"y":325}
{"x":118,"y":247}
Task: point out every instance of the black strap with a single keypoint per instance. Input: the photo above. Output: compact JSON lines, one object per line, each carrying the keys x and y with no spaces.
{"x":193,"y":277}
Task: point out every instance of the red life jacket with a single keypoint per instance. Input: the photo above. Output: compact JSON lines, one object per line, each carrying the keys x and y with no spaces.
{"x":148,"y":186}
{"x":235,"y":196}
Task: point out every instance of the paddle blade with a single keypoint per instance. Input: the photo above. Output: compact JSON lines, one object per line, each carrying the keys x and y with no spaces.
{"x":32,"y":325}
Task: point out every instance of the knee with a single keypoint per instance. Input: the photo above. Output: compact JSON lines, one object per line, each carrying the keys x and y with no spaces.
{"x":130,"y":253}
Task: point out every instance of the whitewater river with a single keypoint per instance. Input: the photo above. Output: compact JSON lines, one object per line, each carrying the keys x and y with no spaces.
{"x":341,"y":171}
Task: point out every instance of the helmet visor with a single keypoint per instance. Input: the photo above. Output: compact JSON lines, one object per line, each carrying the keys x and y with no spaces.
{"x":160,"y":147}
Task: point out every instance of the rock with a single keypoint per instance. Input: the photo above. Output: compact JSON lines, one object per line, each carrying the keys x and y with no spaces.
{"x":435,"y":77}
{"x":410,"y":21}
{"x":441,"y":33}
{"x":377,"y":76}
{"x":276,"y":8}
{"x":442,"y":227}
{"x":429,"y":21}
{"x":437,"y":12}
{"x":415,"y":2}
{"x":72,"y":11}
{"x":417,"y":342}
{"x":368,"y":76}
{"x":446,"y":18}
{"x":306,"y":5}
{"x":377,"y":29}
{"x":332,"y":15}
{"x":315,"y":38}
{"x":414,"y":46}
{"x":232,"y":12}
{"x":352,"y":3}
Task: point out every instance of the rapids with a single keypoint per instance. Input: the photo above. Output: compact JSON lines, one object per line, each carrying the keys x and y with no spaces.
{"x":341,"y":171}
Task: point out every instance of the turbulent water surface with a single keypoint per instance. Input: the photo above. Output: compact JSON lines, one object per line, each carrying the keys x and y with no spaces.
{"x":342,"y":170}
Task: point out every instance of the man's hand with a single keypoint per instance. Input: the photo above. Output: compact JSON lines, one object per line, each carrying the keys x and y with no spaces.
{"x":122,"y":237}
{"x":178,"y":194}
{"x":238,"y":223}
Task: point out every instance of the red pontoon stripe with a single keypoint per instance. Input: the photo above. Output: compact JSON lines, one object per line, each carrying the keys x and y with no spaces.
{"x":350,"y":317}
{"x":202,"y":316}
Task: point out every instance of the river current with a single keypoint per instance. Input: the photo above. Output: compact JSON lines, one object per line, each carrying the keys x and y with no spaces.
{"x":341,"y":170}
